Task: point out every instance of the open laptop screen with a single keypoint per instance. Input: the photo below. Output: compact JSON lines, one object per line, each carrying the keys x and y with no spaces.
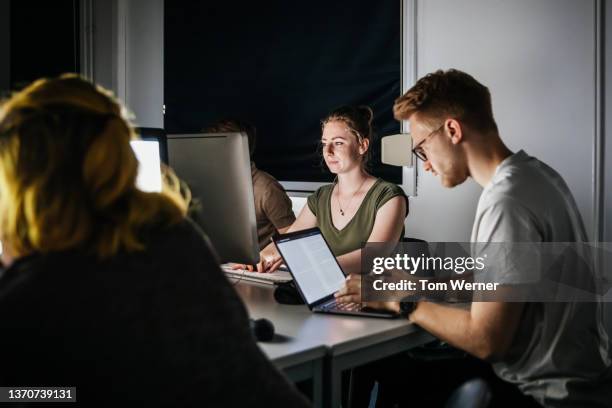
{"x":312,"y":264}
{"x":149,"y":177}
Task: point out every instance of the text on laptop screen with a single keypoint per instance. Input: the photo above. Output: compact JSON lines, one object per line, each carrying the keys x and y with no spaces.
{"x":312,"y":265}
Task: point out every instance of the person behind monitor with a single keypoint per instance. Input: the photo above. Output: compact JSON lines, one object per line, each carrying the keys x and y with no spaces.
{"x":273,"y":209}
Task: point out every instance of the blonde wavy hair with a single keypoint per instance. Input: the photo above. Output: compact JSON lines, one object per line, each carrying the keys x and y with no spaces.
{"x":68,"y":173}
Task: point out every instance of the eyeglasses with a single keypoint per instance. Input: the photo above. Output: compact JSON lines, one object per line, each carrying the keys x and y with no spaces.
{"x":418,"y":150}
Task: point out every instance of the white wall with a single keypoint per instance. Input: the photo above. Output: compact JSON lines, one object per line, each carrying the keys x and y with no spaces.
{"x":104,"y":42}
{"x":145,"y":61}
{"x":128,"y":54}
{"x":607,"y":174}
{"x":538,"y":59}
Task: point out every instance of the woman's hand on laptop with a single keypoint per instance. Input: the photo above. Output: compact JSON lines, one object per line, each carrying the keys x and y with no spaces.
{"x":269,"y":264}
{"x":244,"y":267}
{"x":351,"y":291}
{"x":265,"y":265}
{"x":269,"y":259}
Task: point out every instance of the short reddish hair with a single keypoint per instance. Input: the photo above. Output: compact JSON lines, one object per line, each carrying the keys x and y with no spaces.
{"x":444,"y":94}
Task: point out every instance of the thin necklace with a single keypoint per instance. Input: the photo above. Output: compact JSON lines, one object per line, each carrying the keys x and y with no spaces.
{"x":352,"y":197}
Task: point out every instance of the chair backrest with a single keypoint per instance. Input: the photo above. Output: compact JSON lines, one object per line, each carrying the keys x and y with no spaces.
{"x":417,"y":247}
{"x":297,"y":203}
{"x":474,"y":393}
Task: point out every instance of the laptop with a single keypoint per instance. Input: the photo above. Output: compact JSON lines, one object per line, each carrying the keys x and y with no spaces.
{"x":317,"y":274}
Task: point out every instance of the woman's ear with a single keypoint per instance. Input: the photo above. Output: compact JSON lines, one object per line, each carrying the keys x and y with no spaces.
{"x":364,"y":146}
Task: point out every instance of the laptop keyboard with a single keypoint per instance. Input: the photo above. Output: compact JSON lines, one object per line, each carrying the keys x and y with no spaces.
{"x":268,"y":277}
{"x":348,"y":307}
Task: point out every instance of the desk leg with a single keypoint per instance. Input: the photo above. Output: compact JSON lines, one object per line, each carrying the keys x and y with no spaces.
{"x":317,"y":383}
{"x":333,"y":384}
{"x":312,"y":370}
{"x":335,"y":365}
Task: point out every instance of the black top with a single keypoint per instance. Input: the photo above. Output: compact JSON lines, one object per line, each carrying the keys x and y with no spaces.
{"x":161,"y":327}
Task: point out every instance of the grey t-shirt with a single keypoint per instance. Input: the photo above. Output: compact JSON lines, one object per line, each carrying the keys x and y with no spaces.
{"x":560,"y":353}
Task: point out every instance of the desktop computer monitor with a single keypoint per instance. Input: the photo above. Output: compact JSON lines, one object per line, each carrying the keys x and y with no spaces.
{"x":217,"y":169}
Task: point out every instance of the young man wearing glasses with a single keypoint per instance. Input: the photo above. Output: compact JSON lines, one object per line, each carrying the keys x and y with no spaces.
{"x":555,"y":353}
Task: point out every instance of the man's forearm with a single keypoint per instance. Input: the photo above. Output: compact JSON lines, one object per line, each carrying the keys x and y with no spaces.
{"x":456,"y":327}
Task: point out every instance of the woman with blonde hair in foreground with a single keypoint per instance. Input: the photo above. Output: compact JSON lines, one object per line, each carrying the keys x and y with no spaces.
{"x":107,"y":288}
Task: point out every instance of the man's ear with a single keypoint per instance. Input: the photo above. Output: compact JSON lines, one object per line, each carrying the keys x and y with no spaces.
{"x":454,"y":130}
{"x":364,"y":146}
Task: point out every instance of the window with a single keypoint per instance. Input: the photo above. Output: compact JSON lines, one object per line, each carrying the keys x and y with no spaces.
{"x":283,"y":66}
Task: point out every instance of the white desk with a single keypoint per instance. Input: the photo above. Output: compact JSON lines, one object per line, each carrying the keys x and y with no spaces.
{"x":328,"y":343}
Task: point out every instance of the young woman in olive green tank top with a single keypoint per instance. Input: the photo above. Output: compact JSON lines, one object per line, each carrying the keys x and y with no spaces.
{"x":357,"y":207}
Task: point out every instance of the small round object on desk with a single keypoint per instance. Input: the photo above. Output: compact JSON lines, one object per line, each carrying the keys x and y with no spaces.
{"x":262,"y":329}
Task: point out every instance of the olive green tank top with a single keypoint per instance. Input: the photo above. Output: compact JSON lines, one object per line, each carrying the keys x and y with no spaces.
{"x":359,"y":228}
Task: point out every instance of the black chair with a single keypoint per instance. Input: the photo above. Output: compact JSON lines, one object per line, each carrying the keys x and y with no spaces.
{"x":415,"y":240}
{"x":474,"y":393}
{"x":436,"y":349}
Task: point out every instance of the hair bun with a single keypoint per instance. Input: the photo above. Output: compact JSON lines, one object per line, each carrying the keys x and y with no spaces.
{"x":367,"y":112}
{"x":357,"y":118}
